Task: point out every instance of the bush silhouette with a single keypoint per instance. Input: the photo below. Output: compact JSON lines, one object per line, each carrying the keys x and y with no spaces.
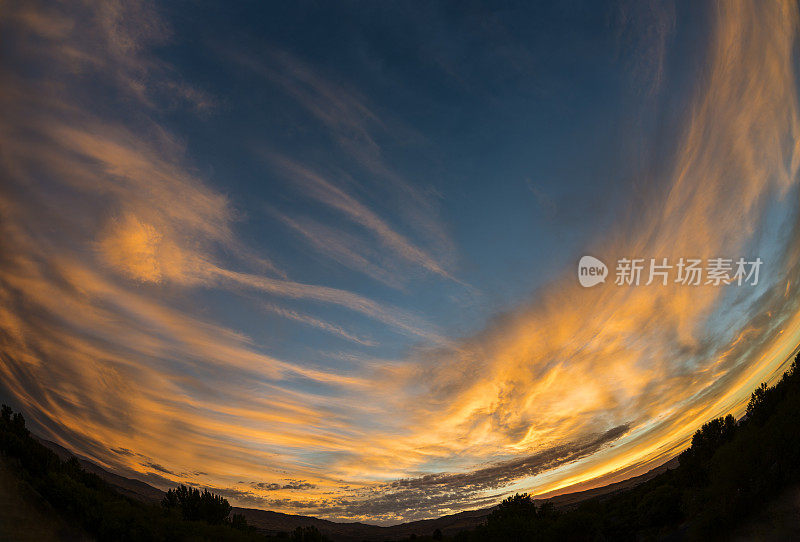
{"x":196,"y":506}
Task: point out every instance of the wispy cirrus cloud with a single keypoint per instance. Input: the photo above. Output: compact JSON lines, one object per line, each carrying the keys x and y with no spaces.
{"x":315,"y":322}
{"x":345,"y":249}
{"x":647,"y":28}
{"x":358,"y":129}
{"x":316,"y":186}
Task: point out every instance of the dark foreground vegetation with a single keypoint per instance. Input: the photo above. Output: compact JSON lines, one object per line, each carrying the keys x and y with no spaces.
{"x":731,"y":470}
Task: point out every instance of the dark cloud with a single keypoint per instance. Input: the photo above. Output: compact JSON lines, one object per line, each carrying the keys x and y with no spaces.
{"x":434,"y":494}
{"x":299,"y":485}
{"x":499,"y":475}
{"x":159,"y":468}
{"x":429,"y":495}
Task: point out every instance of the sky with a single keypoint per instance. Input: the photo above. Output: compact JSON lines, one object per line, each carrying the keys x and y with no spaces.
{"x":322,"y":258}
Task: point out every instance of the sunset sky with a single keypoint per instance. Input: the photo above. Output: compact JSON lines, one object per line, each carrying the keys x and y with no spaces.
{"x":322,"y":258}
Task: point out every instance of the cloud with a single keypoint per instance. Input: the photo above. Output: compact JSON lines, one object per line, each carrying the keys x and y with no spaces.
{"x":316,"y":186}
{"x":544,"y":201}
{"x":159,"y":468}
{"x":295,"y":485}
{"x":647,"y":28}
{"x":401,"y":320}
{"x":347,"y":250}
{"x":359,"y":129}
{"x":408,"y":499}
{"x":317,"y":323}
{"x":140,"y":251}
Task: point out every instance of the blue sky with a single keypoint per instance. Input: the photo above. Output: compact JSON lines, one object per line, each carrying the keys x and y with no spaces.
{"x":512,"y":144}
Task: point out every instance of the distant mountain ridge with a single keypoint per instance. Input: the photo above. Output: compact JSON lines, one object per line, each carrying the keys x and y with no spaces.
{"x":270,"y":522}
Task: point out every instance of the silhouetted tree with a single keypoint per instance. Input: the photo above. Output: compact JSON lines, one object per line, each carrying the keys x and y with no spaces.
{"x":520,"y":506}
{"x":757,"y":401}
{"x":514,"y":519}
{"x":705,"y":443}
{"x":713,"y":434}
{"x":196,"y":506}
